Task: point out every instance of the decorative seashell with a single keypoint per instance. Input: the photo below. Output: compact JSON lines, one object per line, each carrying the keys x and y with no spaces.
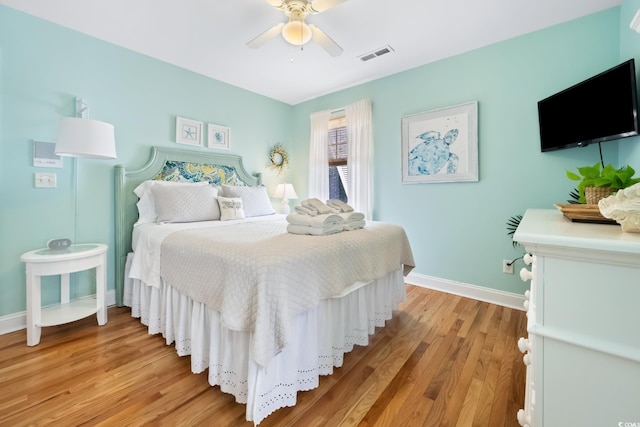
{"x":624,"y":208}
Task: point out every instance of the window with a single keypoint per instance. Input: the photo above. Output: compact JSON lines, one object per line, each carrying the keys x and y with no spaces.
{"x":337,"y":145}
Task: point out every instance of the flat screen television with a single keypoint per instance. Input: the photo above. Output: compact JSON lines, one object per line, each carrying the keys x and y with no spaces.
{"x":601,"y":108}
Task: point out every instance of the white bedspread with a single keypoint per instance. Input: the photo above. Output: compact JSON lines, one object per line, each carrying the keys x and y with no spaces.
{"x":147,"y":239}
{"x":259,"y":277}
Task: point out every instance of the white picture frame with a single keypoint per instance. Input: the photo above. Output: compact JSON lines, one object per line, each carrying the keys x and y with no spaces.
{"x":218,"y":136}
{"x":188,"y":132}
{"x":441,"y":145}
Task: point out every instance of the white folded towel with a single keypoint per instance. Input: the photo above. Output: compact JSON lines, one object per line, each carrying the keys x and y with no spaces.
{"x":315,"y":221}
{"x":305,"y":211}
{"x":340,"y":205}
{"x":317,"y":205}
{"x":314,"y":231}
{"x":352,"y":216}
{"x":353,"y":225}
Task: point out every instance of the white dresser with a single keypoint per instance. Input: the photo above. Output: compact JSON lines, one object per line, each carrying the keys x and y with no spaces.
{"x":583,"y":346}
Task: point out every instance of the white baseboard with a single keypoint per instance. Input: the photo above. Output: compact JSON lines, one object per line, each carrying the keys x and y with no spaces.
{"x":493,"y":296}
{"x":17,"y":321}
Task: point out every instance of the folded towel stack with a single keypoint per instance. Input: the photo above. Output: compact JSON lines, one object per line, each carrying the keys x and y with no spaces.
{"x":305,"y":211}
{"x":318,"y":219}
{"x":352,"y":220}
{"x":339,"y":205}
{"x":324,"y":220}
{"x":314,"y":231}
{"x":315,"y":205}
{"x":316,"y":224}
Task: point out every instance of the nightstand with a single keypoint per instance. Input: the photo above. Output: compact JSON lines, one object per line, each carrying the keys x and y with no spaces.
{"x":47,"y":262}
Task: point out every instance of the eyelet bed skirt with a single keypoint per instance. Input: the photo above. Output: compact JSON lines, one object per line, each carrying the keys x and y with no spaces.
{"x":321,"y":338}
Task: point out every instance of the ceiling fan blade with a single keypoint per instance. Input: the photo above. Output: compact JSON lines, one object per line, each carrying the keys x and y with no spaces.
{"x":266,"y":36}
{"x":317,"y":6}
{"x":278,"y":4}
{"x":325,"y":41}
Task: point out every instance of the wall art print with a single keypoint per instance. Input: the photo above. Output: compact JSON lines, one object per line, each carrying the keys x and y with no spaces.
{"x":218,"y":136}
{"x":441,"y":145}
{"x":188,"y":132}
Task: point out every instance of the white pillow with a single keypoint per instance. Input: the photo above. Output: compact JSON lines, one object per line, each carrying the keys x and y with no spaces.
{"x":230,"y":208}
{"x":255,"y":200}
{"x":185,"y":203}
{"x":146,"y":206}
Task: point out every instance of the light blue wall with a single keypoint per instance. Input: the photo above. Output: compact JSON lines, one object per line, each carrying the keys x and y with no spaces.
{"x":42,"y":68}
{"x":457,"y":230}
{"x":630,"y":48}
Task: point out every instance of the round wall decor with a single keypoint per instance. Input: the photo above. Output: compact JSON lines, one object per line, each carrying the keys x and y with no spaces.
{"x":278,"y":158}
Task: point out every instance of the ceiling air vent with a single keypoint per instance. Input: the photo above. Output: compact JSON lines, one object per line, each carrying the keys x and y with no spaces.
{"x":378,"y":52}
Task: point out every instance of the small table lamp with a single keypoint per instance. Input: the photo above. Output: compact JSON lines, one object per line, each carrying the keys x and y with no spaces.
{"x":286,"y":192}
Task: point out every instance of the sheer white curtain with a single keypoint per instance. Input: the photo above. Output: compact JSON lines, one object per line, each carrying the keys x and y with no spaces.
{"x":360,"y":158}
{"x":318,"y":157}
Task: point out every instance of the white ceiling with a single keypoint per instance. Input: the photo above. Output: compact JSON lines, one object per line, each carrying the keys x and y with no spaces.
{"x":210,"y":36}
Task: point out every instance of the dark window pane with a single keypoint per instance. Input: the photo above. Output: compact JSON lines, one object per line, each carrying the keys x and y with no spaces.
{"x":336,"y":189}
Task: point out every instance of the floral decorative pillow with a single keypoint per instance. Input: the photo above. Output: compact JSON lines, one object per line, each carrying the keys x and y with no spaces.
{"x":230,"y":208}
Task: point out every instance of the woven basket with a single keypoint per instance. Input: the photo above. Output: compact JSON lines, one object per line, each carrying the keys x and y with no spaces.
{"x":594,"y":194}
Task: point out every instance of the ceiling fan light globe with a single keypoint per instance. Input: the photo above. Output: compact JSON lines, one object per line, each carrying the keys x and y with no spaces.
{"x":296,"y":32}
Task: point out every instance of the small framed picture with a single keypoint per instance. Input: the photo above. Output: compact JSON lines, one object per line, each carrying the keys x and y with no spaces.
{"x":188,"y":132}
{"x":218,"y":136}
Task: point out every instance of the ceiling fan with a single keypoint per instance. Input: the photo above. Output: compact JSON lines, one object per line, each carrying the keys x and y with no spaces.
{"x":296,"y":31}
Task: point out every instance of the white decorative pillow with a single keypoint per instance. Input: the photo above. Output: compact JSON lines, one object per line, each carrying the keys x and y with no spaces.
{"x":255,"y":200}
{"x":146,"y":205}
{"x":230,"y":208}
{"x":185,"y":203}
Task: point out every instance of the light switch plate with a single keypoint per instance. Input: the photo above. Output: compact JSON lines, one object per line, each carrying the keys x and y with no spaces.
{"x":45,"y":180}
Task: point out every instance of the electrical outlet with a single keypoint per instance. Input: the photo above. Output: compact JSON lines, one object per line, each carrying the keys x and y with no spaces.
{"x":507,"y":266}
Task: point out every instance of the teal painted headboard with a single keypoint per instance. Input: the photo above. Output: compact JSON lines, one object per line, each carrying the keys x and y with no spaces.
{"x":191,"y":165}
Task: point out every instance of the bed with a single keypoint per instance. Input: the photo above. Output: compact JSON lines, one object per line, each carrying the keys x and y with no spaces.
{"x":266,"y":312}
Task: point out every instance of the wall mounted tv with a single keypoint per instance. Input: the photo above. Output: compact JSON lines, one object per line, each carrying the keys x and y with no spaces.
{"x":601,"y":108}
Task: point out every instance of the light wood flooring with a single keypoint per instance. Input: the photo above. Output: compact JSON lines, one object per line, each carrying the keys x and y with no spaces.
{"x":443,"y":360}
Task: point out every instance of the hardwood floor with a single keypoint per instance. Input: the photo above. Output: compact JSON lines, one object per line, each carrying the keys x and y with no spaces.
{"x":443,"y":360}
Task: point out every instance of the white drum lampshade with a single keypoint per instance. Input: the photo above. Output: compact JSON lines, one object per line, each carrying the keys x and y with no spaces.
{"x":78,"y":137}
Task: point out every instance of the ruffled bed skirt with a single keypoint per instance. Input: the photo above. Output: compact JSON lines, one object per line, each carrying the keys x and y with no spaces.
{"x":321,"y":338}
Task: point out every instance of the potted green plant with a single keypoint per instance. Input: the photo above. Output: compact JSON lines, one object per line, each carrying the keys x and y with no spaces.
{"x":597,"y":182}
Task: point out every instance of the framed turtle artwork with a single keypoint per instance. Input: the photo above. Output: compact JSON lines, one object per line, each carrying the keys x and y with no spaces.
{"x":441,"y":145}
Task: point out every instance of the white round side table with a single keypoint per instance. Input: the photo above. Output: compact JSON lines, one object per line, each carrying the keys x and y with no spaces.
{"x":47,"y":262}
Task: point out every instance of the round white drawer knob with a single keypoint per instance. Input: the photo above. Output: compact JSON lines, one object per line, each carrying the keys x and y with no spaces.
{"x":527,"y":359}
{"x":527,"y":294}
{"x":528,"y":259}
{"x":525,"y":274}
{"x":523,"y":418}
{"x":524,"y":345}
{"x":526,"y":305}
